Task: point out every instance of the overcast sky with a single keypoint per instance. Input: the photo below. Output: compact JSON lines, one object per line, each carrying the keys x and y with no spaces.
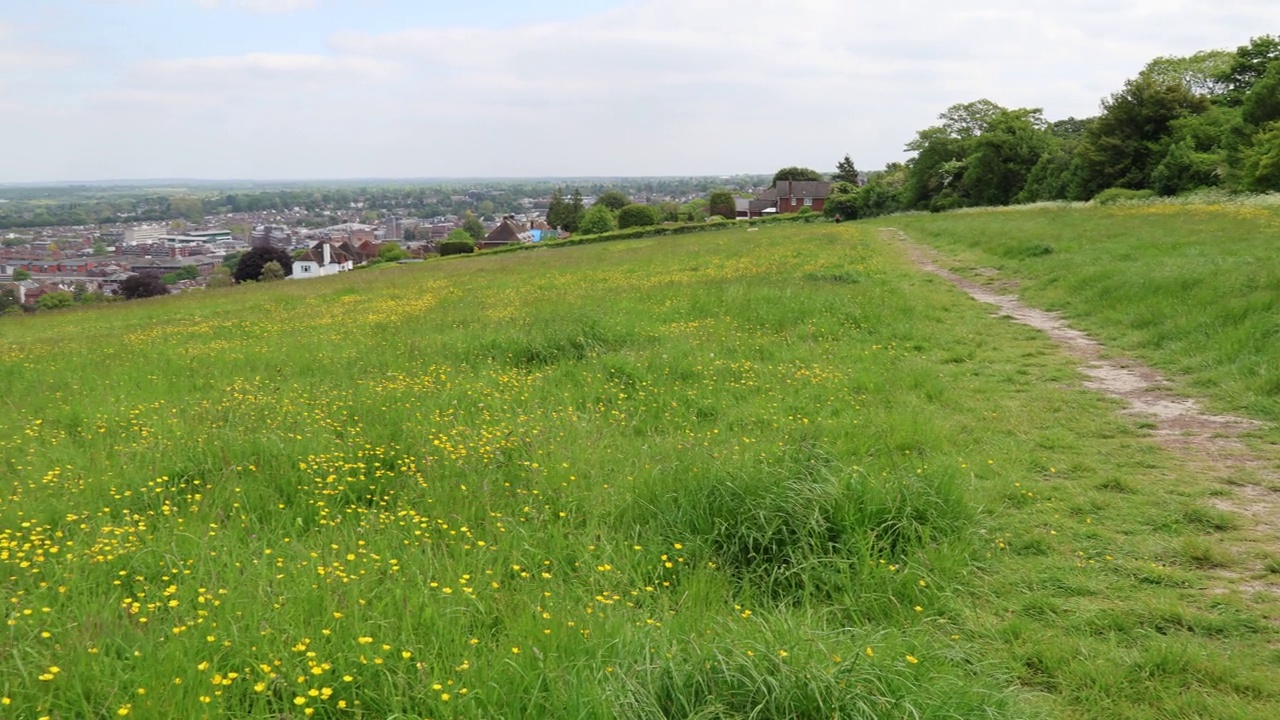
{"x":311,"y":89}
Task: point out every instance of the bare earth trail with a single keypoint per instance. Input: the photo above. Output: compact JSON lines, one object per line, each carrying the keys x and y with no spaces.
{"x":1207,"y":443}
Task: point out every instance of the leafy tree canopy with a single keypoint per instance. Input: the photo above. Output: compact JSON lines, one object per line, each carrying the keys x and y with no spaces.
{"x":1203,"y":73}
{"x":272,"y":271}
{"x":615,"y":200}
{"x":472,"y":225}
{"x":636,"y":215}
{"x":795,"y":174}
{"x":599,"y":219}
{"x":1249,"y":65}
{"x":392,"y":252}
{"x":722,"y":203}
{"x":142,"y":285}
{"x":55,"y":300}
{"x":249,"y":268}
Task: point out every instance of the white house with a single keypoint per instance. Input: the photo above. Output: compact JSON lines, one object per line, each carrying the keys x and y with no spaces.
{"x":322,"y":259}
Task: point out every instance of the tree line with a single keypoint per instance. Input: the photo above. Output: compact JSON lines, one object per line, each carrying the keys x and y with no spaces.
{"x":1208,"y":120}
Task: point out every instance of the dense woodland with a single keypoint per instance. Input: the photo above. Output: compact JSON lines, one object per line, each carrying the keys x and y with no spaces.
{"x":1210,"y":120}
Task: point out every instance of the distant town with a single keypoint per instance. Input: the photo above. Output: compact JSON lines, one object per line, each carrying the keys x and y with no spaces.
{"x":183,"y":238}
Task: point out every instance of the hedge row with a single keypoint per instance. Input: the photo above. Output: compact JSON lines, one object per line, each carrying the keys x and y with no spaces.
{"x":659,"y":231}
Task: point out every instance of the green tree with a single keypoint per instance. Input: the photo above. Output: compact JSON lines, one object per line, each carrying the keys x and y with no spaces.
{"x":1262,"y":104}
{"x":1249,"y":66}
{"x":615,"y":200}
{"x":636,"y":215}
{"x":1002,"y":157}
{"x":55,"y":300}
{"x":272,"y":271}
{"x":20,"y":274}
{"x":472,"y":225}
{"x":220,"y":277}
{"x":99,"y":248}
{"x":392,"y":252}
{"x":696,"y":210}
{"x":187,"y":208}
{"x":557,"y":210}
{"x":842,"y":203}
{"x":846,"y":172}
{"x":9,"y":300}
{"x":577,"y":210}
{"x":458,"y":242}
{"x":1184,"y":169}
{"x":1131,"y":137}
{"x":795,"y":174}
{"x":1203,"y":73}
{"x":599,"y":219}
{"x":722,"y":203}
{"x":1260,"y":170}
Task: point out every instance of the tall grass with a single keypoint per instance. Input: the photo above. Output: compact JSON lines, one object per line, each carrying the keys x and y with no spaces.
{"x":1185,"y":284}
{"x":766,"y":474}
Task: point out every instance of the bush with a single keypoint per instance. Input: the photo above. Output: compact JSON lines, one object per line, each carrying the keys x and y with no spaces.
{"x":272,"y":271}
{"x":598,"y":220}
{"x":1119,"y":195}
{"x":637,"y":216}
{"x":252,"y":262}
{"x":55,"y":301}
{"x":722,"y":203}
{"x":392,"y":252}
{"x":457,"y":246}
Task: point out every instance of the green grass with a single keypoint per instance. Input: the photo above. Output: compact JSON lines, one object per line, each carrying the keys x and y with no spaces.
{"x":743,"y":474}
{"x":1192,"y":289}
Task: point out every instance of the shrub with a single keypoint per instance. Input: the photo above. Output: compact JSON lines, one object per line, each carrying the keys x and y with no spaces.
{"x":637,"y":216}
{"x":55,"y":301}
{"x":221,"y":277}
{"x":272,"y":271}
{"x":722,"y":203}
{"x":392,"y":252}
{"x":457,"y":245}
{"x":598,"y":220}
{"x":1119,"y":195}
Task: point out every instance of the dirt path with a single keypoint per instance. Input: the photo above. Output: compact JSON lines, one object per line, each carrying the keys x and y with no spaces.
{"x":1208,"y":443}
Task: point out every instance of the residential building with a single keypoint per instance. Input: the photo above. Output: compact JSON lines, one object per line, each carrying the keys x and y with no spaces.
{"x":788,"y":196}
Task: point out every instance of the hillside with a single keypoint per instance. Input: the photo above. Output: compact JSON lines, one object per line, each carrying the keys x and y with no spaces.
{"x":768,"y":473}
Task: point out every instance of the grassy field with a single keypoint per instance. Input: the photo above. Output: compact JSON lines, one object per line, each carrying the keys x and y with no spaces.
{"x":1194,"y":290}
{"x":769,"y":474}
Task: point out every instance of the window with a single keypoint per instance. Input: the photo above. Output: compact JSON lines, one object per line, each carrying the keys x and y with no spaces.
{"x":808,"y":201}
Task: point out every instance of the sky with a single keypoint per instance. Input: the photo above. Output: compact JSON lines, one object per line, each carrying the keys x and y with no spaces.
{"x":330,"y":89}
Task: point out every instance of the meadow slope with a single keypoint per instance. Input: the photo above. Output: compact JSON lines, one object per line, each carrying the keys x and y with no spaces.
{"x":773,"y":473}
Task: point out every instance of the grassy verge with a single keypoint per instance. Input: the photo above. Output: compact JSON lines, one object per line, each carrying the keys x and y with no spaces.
{"x":773,"y":473}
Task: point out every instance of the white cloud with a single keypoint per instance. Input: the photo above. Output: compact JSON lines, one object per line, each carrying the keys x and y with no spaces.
{"x":654,"y":87}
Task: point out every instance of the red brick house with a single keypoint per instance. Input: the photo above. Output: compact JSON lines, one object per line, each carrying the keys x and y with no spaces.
{"x":788,"y":196}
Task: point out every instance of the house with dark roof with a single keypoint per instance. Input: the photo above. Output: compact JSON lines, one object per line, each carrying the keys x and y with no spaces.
{"x":324,"y":258}
{"x":788,"y":196}
{"x":508,"y":232}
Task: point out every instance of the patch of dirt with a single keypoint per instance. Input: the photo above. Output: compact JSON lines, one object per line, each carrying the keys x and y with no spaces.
{"x":1208,"y":443}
